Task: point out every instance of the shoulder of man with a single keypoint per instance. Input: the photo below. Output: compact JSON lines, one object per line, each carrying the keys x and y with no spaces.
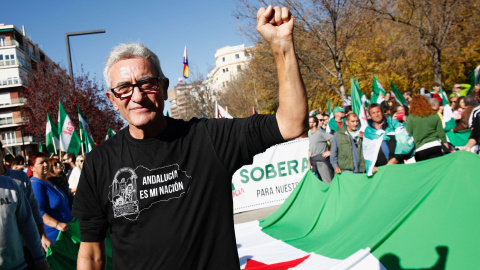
{"x":19,"y":177}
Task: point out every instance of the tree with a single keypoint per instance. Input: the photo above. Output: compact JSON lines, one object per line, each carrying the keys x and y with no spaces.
{"x":436,"y":24}
{"x":49,"y":84}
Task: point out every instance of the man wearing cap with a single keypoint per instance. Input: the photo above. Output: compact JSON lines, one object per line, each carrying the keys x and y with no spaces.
{"x":338,"y":120}
{"x":346,"y":153}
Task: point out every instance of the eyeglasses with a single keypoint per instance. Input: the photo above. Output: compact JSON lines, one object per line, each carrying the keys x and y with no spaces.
{"x":81,"y":160}
{"x":321,"y":120}
{"x":145,"y":85}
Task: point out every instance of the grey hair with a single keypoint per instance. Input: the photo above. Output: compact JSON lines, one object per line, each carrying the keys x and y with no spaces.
{"x":434,"y":102}
{"x":128,"y":51}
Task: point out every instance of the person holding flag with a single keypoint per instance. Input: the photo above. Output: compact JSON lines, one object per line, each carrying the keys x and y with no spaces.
{"x":338,"y":119}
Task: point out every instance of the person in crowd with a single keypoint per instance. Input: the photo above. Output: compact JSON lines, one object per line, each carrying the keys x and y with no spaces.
{"x":318,"y":153}
{"x":476,"y":90}
{"x":191,"y":225}
{"x":435,"y":93}
{"x":392,"y":102}
{"x":426,"y":128}
{"x":347,"y":109}
{"x":338,"y":119}
{"x":23,"y":182}
{"x":453,"y":102}
{"x":408,"y":97}
{"x":57,"y":176}
{"x":8,"y":160}
{"x":75,"y":175}
{"x":388,"y":96}
{"x":68,"y":161}
{"x":400,"y":113}
{"x":53,"y":202}
{"x":326,"y":117}
{"x":321,"y":121}
{"x":458,"y":108}
{"x":474,"y":138}
{"x":469,"y":103}
{"x":17,"y":227}
{"x":346,"y":152}
{"x":460,"y":90}
{"x":435,"y":106}
{"x":18,"y":163}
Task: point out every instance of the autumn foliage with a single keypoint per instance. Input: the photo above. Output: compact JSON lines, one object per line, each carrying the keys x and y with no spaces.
{"x":48,"y":85}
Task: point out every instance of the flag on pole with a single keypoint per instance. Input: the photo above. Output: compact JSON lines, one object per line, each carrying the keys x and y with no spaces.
{"x":51,"y":136}
{"x":397,"y":94}
{"x":330,"y":117}
{"x":110,"y":134}
{"x":69,"y":140}
{"x":358,"y":106}
{"x":221,"y":112}
{"x":185,"y":63}
{"x":86,"y":137}
{"x":40,"y":147}
{"x":474,"y":78}
{"x":378,"y":92}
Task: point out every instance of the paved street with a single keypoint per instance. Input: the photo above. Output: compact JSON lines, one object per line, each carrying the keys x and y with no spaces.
{"x":254,"y":215}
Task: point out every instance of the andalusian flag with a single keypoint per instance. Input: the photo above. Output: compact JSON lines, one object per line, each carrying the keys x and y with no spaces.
{"x":372,"y":141}
{"x":86,"y":137}
{"x":378,"y":92}
{"x":474,"y":78}
{"x":40,"y":147}
{"x":404,"y":217}
{"x":185,"y":63}
{"x":221,"y":112}
{"x":69,"y":140}
{"x":110,"y":134}
{"x":51,"y":136}
{"x":397,"y":94}
{"x":358,"y":106}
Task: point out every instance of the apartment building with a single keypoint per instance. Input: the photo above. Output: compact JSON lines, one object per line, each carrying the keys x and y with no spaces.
{"x":178,"y":97}
{"x":228,"y":62}
{"x":18,"y":55}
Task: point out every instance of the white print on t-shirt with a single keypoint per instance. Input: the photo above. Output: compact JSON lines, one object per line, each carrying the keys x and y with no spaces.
{"x":135,"y":190}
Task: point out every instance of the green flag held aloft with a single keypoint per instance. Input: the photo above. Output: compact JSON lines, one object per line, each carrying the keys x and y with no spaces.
{"x":69,"y":139}
{"x":398,"y":95}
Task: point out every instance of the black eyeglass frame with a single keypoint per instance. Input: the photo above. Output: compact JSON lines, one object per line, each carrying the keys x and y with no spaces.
{"x":138,"y":84}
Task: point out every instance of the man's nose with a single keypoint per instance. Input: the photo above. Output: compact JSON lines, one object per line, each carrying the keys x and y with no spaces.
{"x":137,"y":94}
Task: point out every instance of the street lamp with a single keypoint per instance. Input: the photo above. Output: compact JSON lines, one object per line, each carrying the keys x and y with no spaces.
{"x":67,"y":35}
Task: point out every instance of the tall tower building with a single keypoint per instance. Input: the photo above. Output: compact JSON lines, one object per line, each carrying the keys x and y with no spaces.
{"x":18,"y":55}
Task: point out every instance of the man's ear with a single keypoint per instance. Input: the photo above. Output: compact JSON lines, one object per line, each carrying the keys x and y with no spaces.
{"x":111,"y":97}
{"x":165,"y":84}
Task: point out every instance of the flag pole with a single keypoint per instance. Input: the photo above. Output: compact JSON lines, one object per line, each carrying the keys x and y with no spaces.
{"x":81,"y":141}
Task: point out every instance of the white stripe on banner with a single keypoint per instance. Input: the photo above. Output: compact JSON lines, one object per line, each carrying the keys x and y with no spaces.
{"x":271,"y":178}
{"x":256,"y":248}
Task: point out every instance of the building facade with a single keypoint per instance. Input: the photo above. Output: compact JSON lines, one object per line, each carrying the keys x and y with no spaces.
{"x":178,"y":97}
{"x":229,"y":61}
{"x":18,"y":55}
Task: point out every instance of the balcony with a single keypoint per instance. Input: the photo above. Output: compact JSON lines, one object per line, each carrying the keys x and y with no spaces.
{"x":12,"y":81}
{"x":14,"y":102}
{"x":14,"y":62}
{"x":17,"y":141}
{"x":7,"y":122}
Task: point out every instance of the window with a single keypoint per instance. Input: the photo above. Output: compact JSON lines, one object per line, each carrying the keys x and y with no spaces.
{"x":2,"y":41}
{"x":223,"y":59}
{"x":226,"y":69}
{"x":8,"y":137}
{"x":237,"y":56}
{"x":223,"y":70}
{"x":239,"y":67}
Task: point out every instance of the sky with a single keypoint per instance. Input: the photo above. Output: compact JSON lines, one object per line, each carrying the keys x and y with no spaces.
{"x":166,"y":27}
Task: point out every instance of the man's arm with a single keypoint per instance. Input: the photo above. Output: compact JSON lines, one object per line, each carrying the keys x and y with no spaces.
{"x":92,"y":256}
{"x":333,"y":154}
{"x":276,"y":27}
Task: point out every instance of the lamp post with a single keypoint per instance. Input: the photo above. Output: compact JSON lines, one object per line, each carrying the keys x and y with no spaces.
{"x":67,"y":35}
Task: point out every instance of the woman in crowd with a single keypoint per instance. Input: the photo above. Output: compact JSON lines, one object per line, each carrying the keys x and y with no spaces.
{"x":459,"y":108}
{"x":53,"y":202}
{"x":58,"y":177}
{"x":426,"y":128}
{"x":400,"y":113}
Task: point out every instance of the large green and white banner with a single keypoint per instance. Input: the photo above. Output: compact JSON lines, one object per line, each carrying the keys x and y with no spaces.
{"x":271,"y":178}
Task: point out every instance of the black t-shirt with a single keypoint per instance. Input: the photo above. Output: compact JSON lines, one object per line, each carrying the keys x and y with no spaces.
{"x":167,"y":200}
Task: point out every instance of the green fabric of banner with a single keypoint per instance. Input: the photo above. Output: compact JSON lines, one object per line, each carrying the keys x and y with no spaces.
{"x":459,"y":138}
{"x":63,"y":255}
{"x":424,"y":215}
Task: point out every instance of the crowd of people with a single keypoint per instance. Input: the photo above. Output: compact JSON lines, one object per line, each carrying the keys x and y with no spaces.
{"x":37,"y":207}
{"x":414,"y":131}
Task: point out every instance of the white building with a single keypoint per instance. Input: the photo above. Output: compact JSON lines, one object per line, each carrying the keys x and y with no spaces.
{"x":228,"y":62}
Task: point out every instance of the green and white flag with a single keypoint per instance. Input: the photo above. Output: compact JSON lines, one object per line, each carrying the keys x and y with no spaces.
{"x":447,"y":120}
{"x":372,"y":141}
{"x":474,"y":78}
{"x":69,"y":139}
{"x":110,"y":133}
{"x":358,"y":105}
{"x":397,"y":94}
{"x":378,"y":92}
{"x":85,"y":132}
{"x":330,"y":117}
{"x":404,"y":217}
{"x":40,"y":147}
{"x":51,"y":136}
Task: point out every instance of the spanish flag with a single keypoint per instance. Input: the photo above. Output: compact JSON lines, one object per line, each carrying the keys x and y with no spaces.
{"x":185,"y":63}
